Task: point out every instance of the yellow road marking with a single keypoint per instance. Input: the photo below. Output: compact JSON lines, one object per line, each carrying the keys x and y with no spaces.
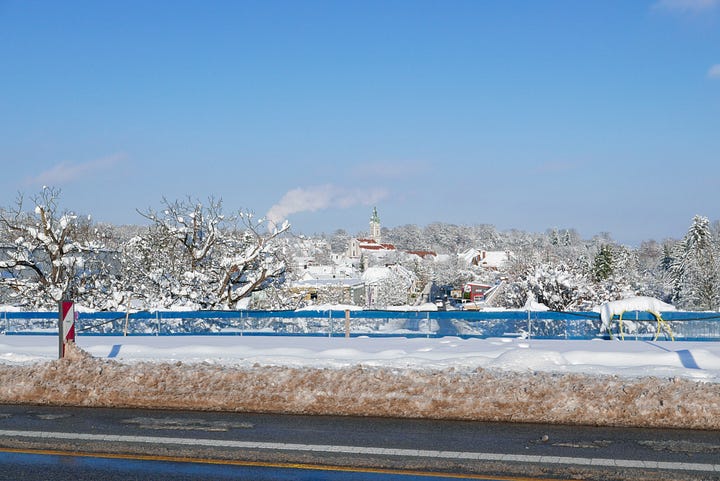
{"x":264,"y":464}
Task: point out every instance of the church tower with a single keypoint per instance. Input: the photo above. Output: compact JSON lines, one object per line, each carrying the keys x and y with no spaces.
{"x":375,"y":226}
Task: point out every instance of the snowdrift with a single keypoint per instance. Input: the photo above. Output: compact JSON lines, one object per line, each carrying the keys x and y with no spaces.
{"x":477,"y":394}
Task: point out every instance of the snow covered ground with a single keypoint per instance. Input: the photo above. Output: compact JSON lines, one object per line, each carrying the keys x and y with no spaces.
{"x":591,"y":382}
{"x":690,"y":360}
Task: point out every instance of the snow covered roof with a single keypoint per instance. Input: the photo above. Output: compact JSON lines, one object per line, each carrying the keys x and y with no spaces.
{"x":319,"y":283}
{"x":423,"y":254}
{"x":373,"y":245}
{"x":372,"y":275}
{"x":328,"y":272}
{"x":483,"y":258}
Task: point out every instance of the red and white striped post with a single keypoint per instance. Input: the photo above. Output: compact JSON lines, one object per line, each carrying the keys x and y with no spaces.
{"x":66,"y":324}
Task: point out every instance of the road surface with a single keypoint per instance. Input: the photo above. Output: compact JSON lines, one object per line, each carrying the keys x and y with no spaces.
{"x":452,"y":447}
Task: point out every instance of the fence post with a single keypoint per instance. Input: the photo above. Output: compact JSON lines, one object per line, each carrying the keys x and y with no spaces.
{"x":127,"y":317}
{"x":66,"y":325}
{"x":529,"y":325}
{"x":637,"y":317}
{"x":347,"y":323}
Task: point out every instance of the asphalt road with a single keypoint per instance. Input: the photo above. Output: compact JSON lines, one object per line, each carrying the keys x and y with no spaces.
{"x":53,"y":467}
{"x":454,"y":447}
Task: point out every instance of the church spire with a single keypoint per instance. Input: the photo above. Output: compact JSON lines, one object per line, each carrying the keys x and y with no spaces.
{"x":375,"y":226}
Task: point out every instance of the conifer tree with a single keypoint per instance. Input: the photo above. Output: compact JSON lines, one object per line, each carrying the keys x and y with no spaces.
{"x":603,"y":263}
{"x":694,"y":271}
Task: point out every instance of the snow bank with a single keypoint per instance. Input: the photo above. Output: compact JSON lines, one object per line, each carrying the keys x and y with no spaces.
{"x":572,"y":382}
{"x":639,"y":303}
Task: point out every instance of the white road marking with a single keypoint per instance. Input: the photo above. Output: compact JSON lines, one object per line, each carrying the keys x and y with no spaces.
{"x":320,"y":448}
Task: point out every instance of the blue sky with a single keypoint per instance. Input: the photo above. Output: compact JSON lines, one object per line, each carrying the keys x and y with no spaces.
{"x":599,"y":116}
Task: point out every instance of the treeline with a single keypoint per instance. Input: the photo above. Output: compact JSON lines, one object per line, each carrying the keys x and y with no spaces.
{"x":565,"y":272}
{"x":194,"y":255}
{"x":189,"y":255}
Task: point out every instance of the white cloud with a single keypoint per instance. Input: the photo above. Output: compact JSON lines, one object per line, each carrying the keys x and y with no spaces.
{"x":65,"y":172}
{"x":714,"y":71}
{"x":321,"y":197}
{"x":687,"y":6}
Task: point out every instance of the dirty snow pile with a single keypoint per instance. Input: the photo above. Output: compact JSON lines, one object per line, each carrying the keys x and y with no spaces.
{"x":633,"y":383}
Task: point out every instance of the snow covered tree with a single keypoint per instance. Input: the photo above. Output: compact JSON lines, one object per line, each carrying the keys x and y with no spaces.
{"x":554,"y":237}
{"x":339,"y":241}
{"x":394,"y":289}
{"x":653,"y":261}
{"x":558,"y":286}
{"x":603,"y":263}
{"x":695,"y":272}
{"x":195,"y":255}
{"x":616,"y":274}
{"x":252,"y":256}
{"x":666,"y":260}
{"x":450,"y":271}
{"x":51,"y":253}
{"x":569,"y":237}
{"x":389,"y":286}
{"x":407,"y":237}
{"x":421,"y":268}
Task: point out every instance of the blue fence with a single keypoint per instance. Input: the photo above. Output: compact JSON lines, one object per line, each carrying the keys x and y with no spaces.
{"x":480,"y":324}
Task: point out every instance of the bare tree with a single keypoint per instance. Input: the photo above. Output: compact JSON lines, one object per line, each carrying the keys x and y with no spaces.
{"x":195,"y":253}
{"x":251,"y":258}
{"x":47,"y":250}
{"x":191,"y":226}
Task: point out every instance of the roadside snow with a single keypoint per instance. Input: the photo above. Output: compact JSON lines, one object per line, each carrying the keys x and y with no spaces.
{"x":630,"y":383}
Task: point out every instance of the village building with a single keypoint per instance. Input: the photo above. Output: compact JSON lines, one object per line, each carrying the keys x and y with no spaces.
{"x":346,"y":290}
{"x":426,"y":255}
{"x":492,"y":260}
{"x":337,"y":282}
{"x":475,"y":291}
{"x":372,"y":245}
{"x":367,"y":274}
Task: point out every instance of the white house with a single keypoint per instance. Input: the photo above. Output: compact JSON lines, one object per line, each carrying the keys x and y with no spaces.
{"x":494,"y":260}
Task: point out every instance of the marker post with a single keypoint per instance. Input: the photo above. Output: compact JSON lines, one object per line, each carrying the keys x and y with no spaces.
{"x":66,"y":325}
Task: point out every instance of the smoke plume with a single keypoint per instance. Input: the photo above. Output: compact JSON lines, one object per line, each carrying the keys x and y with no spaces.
{"x":317,"y":198}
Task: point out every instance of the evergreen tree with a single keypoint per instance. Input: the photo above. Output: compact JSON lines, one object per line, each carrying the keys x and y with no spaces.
{"x":554,"y":238}
{"x":603,"y":263}
{"x":666,"y":260}
{"x":694,"y":271}
{"x":567,"y":240}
